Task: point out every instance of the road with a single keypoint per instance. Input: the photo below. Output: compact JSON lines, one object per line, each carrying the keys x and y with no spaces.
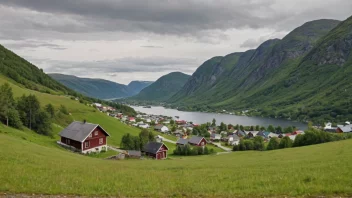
{"x":115,"y":149}
{"x":222,"y":147}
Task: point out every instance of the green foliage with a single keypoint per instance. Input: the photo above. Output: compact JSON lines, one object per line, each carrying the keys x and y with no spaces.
{"x":63,"y":109}
{"x":223,"y":127}
{"x":130,"y":142}
{"x":43,"y":123}
{"x":257,"y":128}
{"x":188,"y":150}
{"x":172,"y":122}
{"x":271,"y":128}
{"x":258,"y":142}
{"x":7,"y":104}
{"x":285,"y":142}
{"x":273,"y":144}
{"x":14,"y":119}
{"x":50,"y":109}
{"x":213,"y":122}
{"x":288,"y":129}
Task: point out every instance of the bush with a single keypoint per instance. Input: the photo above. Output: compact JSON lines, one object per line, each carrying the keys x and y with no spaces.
{"x":14,"y":119}
{"x":285,"y":142}
{"x":273,"y":144}
{"x":258,"y":142}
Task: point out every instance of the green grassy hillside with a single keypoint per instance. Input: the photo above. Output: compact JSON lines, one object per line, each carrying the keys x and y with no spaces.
{"x":163,"y":88}
{"x":99,"y":88}
{"x":317,"y":170}
{"x":27,"y":74}
{"x":303,"y":76}
{"x":78,"y":112}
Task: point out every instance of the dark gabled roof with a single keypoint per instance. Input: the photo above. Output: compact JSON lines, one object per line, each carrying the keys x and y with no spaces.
{"x":79,"y":131}
{"x":159,"y":126}
{"x":153,"y":147}
{"x":182,"y":141}
{"x":261,"y":133}
{"x":196,"y":140}
{"x":240,"y":133}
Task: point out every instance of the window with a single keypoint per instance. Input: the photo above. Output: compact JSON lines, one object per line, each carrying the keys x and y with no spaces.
{"x":202,"y":143}
{"x":86,"y":145}
{"x":90,"y":135}
{"x":101,"y":140}
{"x":67,"y":141}
{"x":96,"y":133}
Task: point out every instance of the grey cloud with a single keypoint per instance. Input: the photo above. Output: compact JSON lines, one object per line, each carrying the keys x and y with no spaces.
{"x":185,"y":18}
{"x":151,"y":46}
{"x":123,"y":65}
{"x":33,"y":44}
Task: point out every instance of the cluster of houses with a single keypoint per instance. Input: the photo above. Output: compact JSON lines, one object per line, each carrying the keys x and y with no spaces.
{"x":233,"y":138}
{"x":343,"y":128}
{"x":103,"y":108}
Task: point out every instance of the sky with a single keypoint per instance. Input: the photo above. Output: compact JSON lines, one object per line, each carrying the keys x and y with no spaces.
{"x":125,"y":40}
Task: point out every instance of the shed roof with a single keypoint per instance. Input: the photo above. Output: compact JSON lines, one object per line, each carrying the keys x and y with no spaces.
{"x":134,"y":153}
{"x":182,"y":141}
{"x":153,"y":147}
{"x":345,"y":128}
{"x":158,"y":127}
{"x":196,"y":139}
{"x":79,"y":131}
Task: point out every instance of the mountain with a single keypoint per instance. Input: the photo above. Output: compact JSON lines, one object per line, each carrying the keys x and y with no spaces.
{"x":284,"y":78}
{"x":135,"y":87}
{"x":26,"y":74}
{"x":162,"y":89}
{"x":99,"y":88}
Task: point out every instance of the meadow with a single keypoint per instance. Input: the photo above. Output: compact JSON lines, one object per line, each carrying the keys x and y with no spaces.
{"x":35,"y":164}
{"x":27,"y":167}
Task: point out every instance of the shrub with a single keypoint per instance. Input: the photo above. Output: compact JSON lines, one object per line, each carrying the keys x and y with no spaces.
{"x":285,"y":142}
{"x":273,"y":144}
{"x":258,"y":143}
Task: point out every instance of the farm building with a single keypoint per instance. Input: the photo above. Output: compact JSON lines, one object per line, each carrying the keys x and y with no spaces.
{"x":156,"y":150}
{"x":84,"y":137}
{"x":181,"y":142}
{"x":197,"y":141}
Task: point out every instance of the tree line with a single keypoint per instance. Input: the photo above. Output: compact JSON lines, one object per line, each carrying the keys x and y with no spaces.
{"x":310,"y":137}
{"x":131,"y":142}
{"x":189,"y":150}
{"x":26,"y":111}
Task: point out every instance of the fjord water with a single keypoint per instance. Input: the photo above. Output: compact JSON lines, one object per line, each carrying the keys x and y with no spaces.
{"x":200,"y":118}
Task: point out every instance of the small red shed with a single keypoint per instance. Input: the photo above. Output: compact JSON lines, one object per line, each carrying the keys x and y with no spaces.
{"x":84,"y":137}
{"x":197,"y":141}
{"x":156,"y":150}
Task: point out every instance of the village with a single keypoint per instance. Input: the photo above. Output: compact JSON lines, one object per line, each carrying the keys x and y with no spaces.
{"x":187,"y":136}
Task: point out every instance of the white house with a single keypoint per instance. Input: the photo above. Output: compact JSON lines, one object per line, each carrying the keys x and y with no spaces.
{"x":233,"y":140}
{"x":161,"y":128}
{"x":328,"y":125}
{"x":144,"y":126}
{"x":98,"y":105}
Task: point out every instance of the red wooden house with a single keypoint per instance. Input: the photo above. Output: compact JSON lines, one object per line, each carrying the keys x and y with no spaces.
{"x":84,"y":137}
{"x":156,"y":150}
{"x":197,"y":141}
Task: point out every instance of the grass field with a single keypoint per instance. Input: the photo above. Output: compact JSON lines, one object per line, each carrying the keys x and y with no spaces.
{"x":32,"y":163}
{"x":27,"y":167}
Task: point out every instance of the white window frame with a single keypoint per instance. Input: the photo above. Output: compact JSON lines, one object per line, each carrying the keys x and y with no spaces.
{"x":90,"y":135}
{"x":101,"y":140}
{"x":96,"y":133}
{"x":86,"y":144}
